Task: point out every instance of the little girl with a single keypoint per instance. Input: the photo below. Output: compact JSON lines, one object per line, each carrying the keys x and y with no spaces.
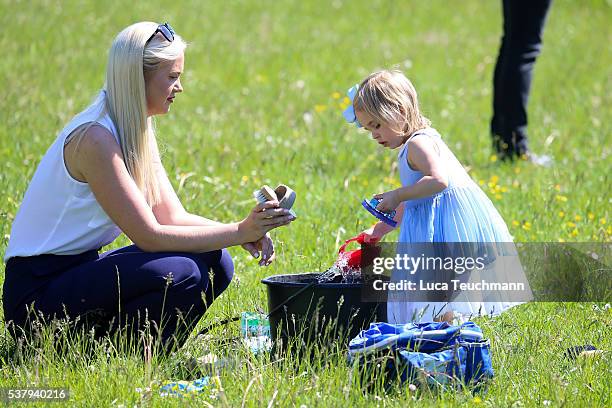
{"x":438,"y":201}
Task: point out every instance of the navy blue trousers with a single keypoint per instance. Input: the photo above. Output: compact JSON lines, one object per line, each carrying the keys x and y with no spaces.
{"x":520,"y":46}
{"x":124,"y":286}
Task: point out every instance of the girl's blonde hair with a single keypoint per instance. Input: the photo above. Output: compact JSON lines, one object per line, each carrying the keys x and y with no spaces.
{"x":389,"y":97}
{"x":126,"y":102}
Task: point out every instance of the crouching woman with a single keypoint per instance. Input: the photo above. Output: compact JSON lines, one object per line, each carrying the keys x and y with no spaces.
{"x":103,"y":176}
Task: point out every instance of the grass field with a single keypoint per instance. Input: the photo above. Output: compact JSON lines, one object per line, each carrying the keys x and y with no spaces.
{"x":264,"y":84}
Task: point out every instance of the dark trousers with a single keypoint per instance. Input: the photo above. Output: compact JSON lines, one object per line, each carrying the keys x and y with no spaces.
{"x":126,"y":286}
{"x":520,"y":46}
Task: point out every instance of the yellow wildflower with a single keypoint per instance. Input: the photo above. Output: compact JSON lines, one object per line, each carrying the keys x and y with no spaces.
{"x":493,"y":158}
{"x":571,"y":224}
{"x":517,"y":170}
{"x":392,"y":181}
{"x":498,"y":196}
{"x":574,"y":232}
{"x":320,"y":108}
{"x":481,"y":182}
{"x":602,"y":221}
{"x":494,"y":179}
{"x":527,"y":226}
{"x":336,"y":95}
{"x":245,"y":179}
{"x":477,"y":400}
{"x":591,"y":216}
{"x":578,"y":218}
{"x":515,"y":223}
{"x":561,"y":214}
{"x":346,"y":101}
{"x":561,"y":198}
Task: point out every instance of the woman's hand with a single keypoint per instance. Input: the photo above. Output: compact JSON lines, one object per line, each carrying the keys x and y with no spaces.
{"x":263,"y":218}
{"x":388,"y":201}
{"x":266,"y":246}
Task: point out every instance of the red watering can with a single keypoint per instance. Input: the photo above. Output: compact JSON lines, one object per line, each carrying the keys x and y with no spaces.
{"x":351,"y":260}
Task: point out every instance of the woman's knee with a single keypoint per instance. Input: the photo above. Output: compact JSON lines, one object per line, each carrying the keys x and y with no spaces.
{"x":221,"y":268}
{"x":184,"y":273}
{"x":226,"y":265}
{"x":192,"y":274}
{"x":219,"y":261}
{"x":223,"y":271}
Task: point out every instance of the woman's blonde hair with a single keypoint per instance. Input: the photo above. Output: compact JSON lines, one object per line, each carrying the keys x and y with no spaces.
{"x":125,"y":101}
{"x":389,"y":97}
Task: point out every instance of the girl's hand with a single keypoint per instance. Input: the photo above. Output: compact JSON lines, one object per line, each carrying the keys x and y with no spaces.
{"x":263,"y":218}
{"x":388,"y":201}
{"x":376,"y":232}
{"x":266,"y":246}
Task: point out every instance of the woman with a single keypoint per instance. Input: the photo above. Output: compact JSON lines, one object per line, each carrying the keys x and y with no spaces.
{"x":103,"y":176}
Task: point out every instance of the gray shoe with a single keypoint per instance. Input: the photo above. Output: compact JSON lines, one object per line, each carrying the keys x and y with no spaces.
{"x":542,"y":160}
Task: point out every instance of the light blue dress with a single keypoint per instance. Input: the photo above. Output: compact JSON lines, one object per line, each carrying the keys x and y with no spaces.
{"x":460,"y":213}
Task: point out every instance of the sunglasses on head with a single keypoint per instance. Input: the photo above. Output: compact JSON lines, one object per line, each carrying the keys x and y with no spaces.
{"x":165,"y":30}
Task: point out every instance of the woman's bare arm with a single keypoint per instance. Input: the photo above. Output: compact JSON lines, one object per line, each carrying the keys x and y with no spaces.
{"x":100,"y":161}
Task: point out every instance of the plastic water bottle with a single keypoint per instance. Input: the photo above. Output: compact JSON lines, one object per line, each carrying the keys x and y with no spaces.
{"x":255,"y":328}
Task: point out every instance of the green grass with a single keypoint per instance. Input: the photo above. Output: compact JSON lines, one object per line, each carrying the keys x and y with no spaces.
{"x":254,"y":72}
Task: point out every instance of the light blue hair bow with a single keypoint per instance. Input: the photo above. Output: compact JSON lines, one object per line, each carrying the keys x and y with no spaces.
{"x":349,"y":112}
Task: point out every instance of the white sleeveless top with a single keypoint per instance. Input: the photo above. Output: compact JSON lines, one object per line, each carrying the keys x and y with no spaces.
{"x":59,"y":214}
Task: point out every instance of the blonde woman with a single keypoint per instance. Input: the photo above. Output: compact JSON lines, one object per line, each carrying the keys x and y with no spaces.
{"x":103,"y":176}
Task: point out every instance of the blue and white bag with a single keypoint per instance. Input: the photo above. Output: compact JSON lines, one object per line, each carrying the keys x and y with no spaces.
{"x":435,"y":352}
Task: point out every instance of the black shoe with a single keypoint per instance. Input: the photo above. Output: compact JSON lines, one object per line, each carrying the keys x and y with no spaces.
{"x":502,"y":149}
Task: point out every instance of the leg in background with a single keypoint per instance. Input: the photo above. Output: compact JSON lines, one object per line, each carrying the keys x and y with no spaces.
{"x":520,"y":46}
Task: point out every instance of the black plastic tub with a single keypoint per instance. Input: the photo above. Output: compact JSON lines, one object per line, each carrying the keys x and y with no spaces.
{"x":302,"y":310}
